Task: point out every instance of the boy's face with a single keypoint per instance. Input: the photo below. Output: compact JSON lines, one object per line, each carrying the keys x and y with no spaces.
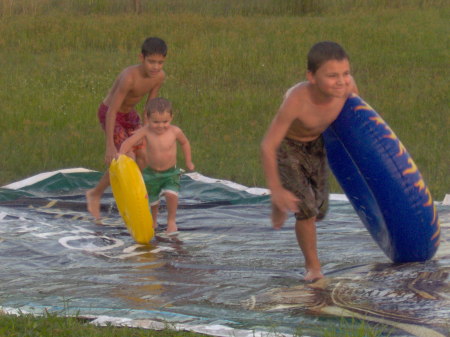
{"x":333,"y":78}
{"x":159,"y":122}
{"x":152,"y":64}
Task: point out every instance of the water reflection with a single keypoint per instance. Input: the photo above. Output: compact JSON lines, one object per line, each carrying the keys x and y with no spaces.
{"x":226,"y":264}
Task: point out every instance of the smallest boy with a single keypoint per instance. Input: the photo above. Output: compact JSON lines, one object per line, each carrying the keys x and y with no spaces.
{"x":161,"y":139}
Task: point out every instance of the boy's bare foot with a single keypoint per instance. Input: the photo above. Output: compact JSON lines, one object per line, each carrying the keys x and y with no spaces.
{"x":171,"y":228}
{"x":93,"y":204}
{"x":319,"y":284}
{"x":278,"y":217}
{"x":313,"y":276}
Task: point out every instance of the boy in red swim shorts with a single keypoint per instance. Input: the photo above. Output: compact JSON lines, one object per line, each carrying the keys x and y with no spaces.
{"x":117,"y":113}
{"x":126,"y":124}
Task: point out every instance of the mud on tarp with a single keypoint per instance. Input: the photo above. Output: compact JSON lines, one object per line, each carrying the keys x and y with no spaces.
{"x":227,"y":273}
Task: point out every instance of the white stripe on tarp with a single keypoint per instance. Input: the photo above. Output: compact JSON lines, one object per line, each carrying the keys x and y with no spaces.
{"x":251,"y":190}
{"x":446,"y":200}
{"x":217,"y":330}
{"x":42,"y":176}
{"x":193,"y":175}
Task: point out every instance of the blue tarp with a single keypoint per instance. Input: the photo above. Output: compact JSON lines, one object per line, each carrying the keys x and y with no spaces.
{"x":227,"y":273}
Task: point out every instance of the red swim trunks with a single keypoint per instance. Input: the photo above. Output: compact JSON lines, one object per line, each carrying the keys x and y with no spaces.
{"x":126,"y":124}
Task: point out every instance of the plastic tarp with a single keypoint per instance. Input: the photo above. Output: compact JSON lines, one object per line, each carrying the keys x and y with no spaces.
{"x":226,"y":273}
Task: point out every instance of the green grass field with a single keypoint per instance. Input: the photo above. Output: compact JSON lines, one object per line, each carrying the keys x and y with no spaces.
{"x":228,"y":66}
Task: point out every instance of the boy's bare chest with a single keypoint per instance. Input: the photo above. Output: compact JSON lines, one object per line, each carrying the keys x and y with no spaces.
{"x":310,"y":124}
{"x":162,"y":143}
{"x":142,"y":87}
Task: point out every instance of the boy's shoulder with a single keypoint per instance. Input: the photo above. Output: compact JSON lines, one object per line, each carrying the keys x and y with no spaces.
{"x":135,"y":71}
{"x":298,"y":90}
{"x":128,"y":74}
{"x":132,"y":76}
{"x":174,"y":128}
{"x":130,"y":69}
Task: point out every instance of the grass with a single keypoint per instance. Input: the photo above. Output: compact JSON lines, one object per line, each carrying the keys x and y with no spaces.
{"x":351,"y":327}
{"x":27,"y":325}
{"x":227,"y":73}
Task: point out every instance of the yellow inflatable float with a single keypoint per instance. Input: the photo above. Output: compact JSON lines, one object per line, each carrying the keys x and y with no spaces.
{"x":131,"y":198}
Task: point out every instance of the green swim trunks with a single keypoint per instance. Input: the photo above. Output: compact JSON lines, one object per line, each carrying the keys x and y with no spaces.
{"x":304,"y":171}
{"x":158,"y":182}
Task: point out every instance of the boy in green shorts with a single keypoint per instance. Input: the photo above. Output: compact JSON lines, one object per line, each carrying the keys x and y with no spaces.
{"x":117,"y":114}
{"x":293,"y":153}
{"x":161,"y":138}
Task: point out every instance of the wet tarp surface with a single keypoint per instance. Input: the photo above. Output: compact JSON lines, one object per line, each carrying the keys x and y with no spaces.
{"x":226,"y":269}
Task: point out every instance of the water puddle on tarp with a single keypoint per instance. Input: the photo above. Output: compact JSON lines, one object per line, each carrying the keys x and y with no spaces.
{"x":226,"y":271}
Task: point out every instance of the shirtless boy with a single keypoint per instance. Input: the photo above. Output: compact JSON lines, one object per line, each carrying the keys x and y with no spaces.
{"x":161,"y":138}
{"x":117,"y":113}
{"x":293,"y":152}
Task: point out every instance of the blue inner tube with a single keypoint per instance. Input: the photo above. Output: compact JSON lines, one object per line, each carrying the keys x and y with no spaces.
{"x":382,"y":183}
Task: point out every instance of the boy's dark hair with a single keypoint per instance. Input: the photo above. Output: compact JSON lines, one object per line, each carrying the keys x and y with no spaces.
{"x":324,"y":51}
{"x":154,"y":45}
{"x":159,"y":105}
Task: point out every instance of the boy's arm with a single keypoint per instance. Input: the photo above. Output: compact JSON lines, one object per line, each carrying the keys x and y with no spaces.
{"x":131,"y":141}
{"x":118,"y":97}
{"x":186,"y":147}
{"x":281,"y":198}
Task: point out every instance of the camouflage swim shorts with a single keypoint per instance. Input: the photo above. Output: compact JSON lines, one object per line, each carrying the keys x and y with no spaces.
{"x":304,"y":171}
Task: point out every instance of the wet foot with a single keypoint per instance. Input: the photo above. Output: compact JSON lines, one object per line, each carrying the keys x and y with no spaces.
{"x":319,"y":284}
{"x":171,"y":228}
{"x":93,"y":204}
{"x":99,"y":222}
{"x":313,"y":276}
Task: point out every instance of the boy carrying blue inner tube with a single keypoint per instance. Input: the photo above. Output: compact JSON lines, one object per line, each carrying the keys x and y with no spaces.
{"x":293,"y":153}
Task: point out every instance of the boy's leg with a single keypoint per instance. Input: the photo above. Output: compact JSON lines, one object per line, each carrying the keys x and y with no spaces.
{"x":172,"y":205}
{"x":94,"y":195}
{"x":305,"y":231}
{"x":122,"y":131}
{"x":155,"y":209}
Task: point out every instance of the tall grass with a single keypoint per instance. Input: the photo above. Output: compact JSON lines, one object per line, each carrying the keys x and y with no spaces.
{"x":208,"y":7}
{"x":228,"y":66}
